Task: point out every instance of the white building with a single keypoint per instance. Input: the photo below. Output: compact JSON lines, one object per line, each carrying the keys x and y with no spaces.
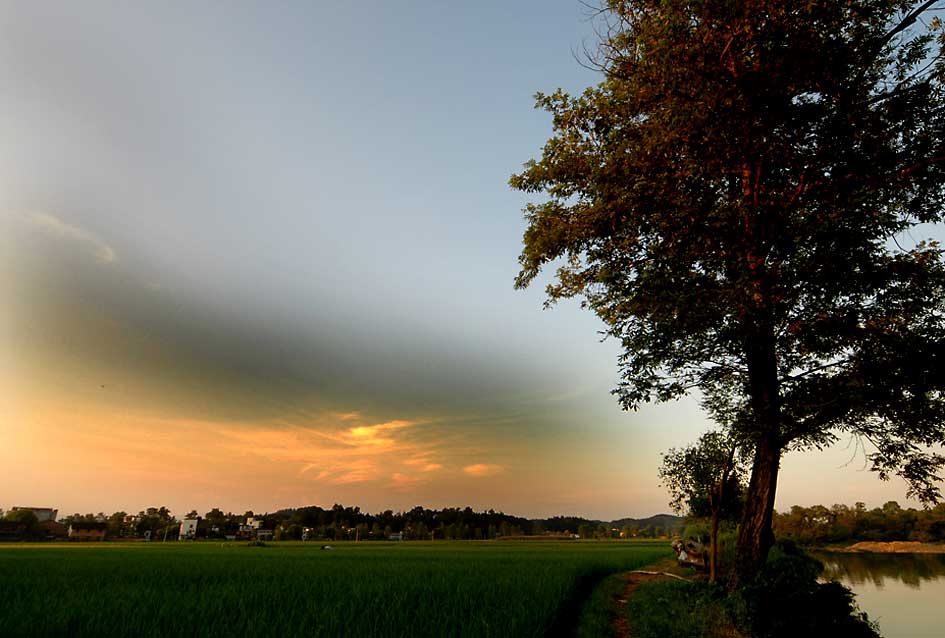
{"x":188,"y":528}
{"x":252,"y":528}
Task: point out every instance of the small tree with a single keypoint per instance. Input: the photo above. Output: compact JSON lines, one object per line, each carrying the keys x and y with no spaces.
{"x":27,"y":518}
{"x":706,"y":480}
{"x":116,"y":524}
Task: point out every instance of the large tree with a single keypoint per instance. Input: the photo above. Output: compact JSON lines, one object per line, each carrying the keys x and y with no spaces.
{"x":735,"y":200}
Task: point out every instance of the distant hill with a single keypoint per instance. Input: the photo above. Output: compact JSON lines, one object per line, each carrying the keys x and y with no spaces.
{"x":666,"y":521}
{"x":571,"y":523}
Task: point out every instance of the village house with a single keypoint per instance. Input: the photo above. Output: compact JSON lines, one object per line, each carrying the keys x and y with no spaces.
{"x":87,"y":531}
{"x":53,"y":530}
{"x":252,"y":529}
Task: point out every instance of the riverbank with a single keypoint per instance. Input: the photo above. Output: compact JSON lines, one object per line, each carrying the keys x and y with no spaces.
{"x":892,"y":547}
{"x":786,"y":600}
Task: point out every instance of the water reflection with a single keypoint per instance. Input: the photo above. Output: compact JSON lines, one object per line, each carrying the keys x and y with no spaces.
{"x":858,"y":568}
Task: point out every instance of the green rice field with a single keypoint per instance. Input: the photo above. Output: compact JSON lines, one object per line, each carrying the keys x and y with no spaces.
{"x":416,"y":589}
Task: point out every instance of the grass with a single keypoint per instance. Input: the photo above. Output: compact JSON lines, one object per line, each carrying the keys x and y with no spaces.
{"x":597,"y":613}
{"x":358,"y":589}
{"x":674,"y":609}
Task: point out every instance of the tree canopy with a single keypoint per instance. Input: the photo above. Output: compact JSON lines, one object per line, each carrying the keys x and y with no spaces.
{"x":735,"y":199}
{"x":706,"y":480}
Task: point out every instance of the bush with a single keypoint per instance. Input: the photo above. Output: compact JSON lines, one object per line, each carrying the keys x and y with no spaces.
{"x":786,"y":600}
{"x":727,"y":543}
{"x":698,"y":530}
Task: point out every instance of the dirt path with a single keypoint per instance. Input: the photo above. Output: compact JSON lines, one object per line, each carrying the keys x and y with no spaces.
{"x":632,"y":580}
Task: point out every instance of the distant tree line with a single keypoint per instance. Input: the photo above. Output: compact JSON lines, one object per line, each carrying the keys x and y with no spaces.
{"x":350,"y":523}
{"x":341,"y":522}
{"x":842,"y":524}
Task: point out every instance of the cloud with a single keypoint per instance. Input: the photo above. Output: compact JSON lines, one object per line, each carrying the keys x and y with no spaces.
{"x":331,"y":449}
{"x":356,"y":472}
{"x":55,"y":226}
{"x":423,"y":464}
{"x":375,"y":435}
{"x":404,"y":482}
{"x":483,"y":469}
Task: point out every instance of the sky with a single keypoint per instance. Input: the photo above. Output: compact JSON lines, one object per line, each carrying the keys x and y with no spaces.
{"x":261,"y":255}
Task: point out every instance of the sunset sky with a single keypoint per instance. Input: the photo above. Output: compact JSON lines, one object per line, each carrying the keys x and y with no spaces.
{"x":259,"y":255}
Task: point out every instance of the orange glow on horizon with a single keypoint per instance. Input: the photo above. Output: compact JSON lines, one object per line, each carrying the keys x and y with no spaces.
{"x":333,"y":457}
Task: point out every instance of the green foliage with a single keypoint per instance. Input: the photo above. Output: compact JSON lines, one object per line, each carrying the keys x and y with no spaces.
{"x":786,"y":601}
{"x":708,"y":480}
{"x":842,"y":524}
{"x":706,"y":477}
{"x":671,"y":609}
{"x":158,"y":521}
{"x":26,"y":518}
{"x":116,"y":525}
{"x":687,"y":203}
{"x":485,"y":589}
{"x":728,"y":548}
{"x":740,"y":167}
{"x":697,"y":529}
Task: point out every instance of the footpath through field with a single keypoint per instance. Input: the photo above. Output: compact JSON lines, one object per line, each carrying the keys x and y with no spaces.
{"x":664,"y":570}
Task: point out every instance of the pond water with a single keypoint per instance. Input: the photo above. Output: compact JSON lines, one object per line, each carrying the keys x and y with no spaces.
{"x":905,"y":593}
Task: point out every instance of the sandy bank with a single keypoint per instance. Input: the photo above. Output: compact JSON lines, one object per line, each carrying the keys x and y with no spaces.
{"x":896,"y":547}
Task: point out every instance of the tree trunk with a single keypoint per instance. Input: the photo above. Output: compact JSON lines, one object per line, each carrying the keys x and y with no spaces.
{"x":755,"y":537}
{"x":717,"y":505}
{"x":714,"y":548}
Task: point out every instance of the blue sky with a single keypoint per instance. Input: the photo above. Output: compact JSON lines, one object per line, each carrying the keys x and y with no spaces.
{"x":267,"y":249}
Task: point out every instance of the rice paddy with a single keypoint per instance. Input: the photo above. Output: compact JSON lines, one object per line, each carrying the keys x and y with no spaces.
{"x":411,"y":589}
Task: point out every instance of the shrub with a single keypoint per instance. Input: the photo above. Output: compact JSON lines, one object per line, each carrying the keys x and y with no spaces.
{"x":786,"y":600}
